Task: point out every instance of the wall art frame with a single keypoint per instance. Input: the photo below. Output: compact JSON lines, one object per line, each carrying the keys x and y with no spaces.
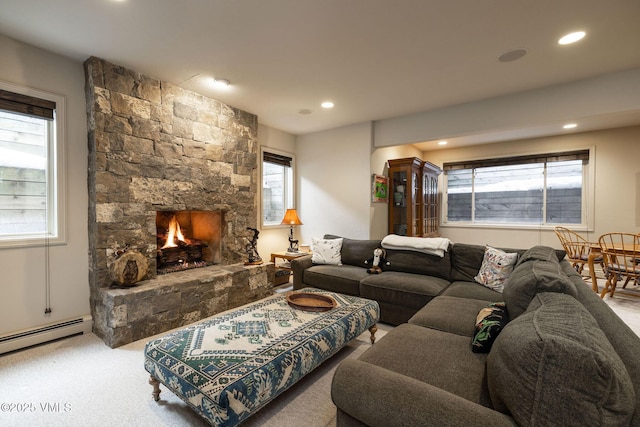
{"x":379,"y":189}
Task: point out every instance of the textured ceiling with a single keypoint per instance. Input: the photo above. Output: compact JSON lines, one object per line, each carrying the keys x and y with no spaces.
{"x":375,"y":59}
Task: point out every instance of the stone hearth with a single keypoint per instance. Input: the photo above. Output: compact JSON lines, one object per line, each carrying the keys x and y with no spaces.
{"x":177,"y":299}
{"x":154,"y":146}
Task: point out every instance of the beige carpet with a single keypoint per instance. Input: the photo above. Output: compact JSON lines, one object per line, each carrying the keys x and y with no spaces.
{"x":79,"y":381}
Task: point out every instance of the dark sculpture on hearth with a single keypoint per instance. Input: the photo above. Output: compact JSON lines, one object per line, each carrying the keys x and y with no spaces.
{"x":251,"y":249}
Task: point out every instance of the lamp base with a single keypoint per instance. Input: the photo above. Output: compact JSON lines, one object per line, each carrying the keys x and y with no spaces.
{"x":293,"y":243}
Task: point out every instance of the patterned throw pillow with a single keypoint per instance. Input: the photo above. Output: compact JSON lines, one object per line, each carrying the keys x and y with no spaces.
{"x":489,"y":323}
{"x":496,"y":266}
{"x":326,"y":251}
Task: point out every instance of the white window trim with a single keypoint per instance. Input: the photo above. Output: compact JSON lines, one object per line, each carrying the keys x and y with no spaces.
{"x":56,"y":180}
{"x":293,"y":185}
{"x":588,"y":203}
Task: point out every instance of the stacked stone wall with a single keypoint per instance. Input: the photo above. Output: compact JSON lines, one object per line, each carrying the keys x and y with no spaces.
{"x":155,"y":146}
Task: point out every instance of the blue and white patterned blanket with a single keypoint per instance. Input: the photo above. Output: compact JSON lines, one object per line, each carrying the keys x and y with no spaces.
{"x":232,"y":364}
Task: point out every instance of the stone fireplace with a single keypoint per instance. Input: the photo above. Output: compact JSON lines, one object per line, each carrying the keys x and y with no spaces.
{"x":157,"y":151}
{"x":187,"y":239}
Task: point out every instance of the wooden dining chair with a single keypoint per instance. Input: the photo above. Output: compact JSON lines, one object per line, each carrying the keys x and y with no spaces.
{"x":621,"y":252}
{"x":577,"y":249}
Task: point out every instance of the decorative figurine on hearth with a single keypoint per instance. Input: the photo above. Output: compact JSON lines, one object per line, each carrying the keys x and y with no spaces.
{"x":252,"y":251}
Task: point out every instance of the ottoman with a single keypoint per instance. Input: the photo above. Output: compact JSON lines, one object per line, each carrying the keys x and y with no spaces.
{"x":228,"y":366}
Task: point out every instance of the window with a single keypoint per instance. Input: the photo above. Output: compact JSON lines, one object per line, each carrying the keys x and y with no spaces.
{"x":31,"y":192}
{"x":541,"y":189}
{"x":277,"y":186}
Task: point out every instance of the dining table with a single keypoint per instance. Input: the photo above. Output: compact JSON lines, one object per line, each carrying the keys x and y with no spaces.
{"x":596,"y":251}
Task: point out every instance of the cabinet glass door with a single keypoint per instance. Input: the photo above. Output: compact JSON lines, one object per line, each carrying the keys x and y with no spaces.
{"x":399,"y":182}
{"x":415,"y":204}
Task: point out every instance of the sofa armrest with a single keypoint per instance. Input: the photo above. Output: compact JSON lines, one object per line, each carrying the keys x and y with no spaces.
{"x":298,"y":265}
{"x":379,"y":397}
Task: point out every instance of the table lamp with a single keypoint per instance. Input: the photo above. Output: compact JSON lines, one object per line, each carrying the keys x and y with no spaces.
{"x":291,"y":219}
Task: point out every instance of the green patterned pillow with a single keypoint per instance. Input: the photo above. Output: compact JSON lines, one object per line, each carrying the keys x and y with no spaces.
{"x":489,"y":323}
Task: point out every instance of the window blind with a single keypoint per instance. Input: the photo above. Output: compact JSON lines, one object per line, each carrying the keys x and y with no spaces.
{"x":519,"y":160}
{"x":24,"y":104}
{"x":277,"y":159}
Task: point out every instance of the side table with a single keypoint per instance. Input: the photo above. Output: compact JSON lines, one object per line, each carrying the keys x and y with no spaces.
{"x":283,"y":278}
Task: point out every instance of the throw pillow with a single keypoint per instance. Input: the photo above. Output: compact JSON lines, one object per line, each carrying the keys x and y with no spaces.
{"x":489,"y":323}
{"x":326,"y":251}
{"x":496,"y":266}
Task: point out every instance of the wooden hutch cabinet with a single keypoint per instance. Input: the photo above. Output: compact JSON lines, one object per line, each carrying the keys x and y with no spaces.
{"x":413,"y":202}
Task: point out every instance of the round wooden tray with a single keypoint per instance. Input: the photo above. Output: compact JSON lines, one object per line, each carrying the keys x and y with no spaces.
{"x":310,"y":302}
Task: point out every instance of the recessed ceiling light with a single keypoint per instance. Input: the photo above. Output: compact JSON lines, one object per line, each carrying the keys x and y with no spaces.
{"x":572,"y":37}
{"x":327,"y":104}
{"x":221,"y":82}
{"x":570,"y":126}
{"x":305,"y":111}
{"x":442,"y":142}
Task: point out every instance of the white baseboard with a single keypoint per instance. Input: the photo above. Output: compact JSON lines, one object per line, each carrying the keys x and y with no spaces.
{"x":28,"y":337}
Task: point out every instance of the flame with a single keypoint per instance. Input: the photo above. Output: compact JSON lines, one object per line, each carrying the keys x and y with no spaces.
{"x":175,"y":233}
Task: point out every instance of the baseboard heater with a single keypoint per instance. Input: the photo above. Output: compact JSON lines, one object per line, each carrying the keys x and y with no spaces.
{"x":40,"y":335}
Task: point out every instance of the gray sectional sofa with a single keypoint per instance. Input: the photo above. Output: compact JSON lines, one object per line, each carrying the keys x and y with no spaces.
{"x":563,"y":357}
{"x":409,"y":279}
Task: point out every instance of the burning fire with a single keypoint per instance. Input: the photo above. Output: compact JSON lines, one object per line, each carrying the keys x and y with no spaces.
{"x":175,"y":233}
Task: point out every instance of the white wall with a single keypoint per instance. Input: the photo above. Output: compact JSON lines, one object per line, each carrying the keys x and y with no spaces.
{"x":23,"y":276}
{"x":528,"y":113}
{"x":334,"y":186}
{"x":379,"y":217}
{"x":334,"y":182}
{"x":617,"y":184}
{"x":273,"y":239}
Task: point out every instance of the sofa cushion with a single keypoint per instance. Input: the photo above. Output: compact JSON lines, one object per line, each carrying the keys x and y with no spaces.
{"x":344,"y":279}
{"x":472,"y":290}
{"x":542,"y":253}
{"x":623,"y":339}
{"x":355,"y":251}
{"x":326,"y":251}
{"x":450,"y":314}
{"x":496,"y":267}
{"x":489,"y":324}
{"x":554,"y":366}
{"x":532,"y":277}
{"x":434,"y":357}
{"x":466,"y":260}
{"x":418,"y":263}
{"x":404,"y":289}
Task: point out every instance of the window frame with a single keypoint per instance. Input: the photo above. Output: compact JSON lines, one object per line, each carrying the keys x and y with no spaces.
{"x":290,"y":190}
{"x":588,"y":201}
{"x":56,"y":233}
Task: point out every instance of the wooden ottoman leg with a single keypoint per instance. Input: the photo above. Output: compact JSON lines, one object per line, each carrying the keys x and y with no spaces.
{"x":156,"y":388}
{"x":373,"y":331}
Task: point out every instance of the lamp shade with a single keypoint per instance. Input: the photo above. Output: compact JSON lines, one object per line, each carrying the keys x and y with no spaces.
{"x":291,"y":218}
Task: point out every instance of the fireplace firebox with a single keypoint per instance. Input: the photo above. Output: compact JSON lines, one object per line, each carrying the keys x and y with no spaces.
{"x":187,"y":239}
